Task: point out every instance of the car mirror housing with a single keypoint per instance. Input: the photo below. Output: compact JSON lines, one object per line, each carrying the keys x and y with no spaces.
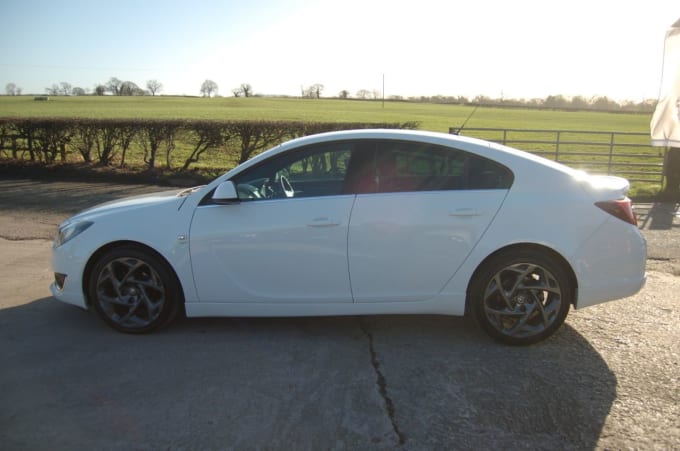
{"x":225,"y":193}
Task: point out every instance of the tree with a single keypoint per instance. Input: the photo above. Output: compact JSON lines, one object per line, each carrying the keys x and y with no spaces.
{"x":11,"y":89}
{"x":99,"y":90}
{"x":113,"y":86}
{"x":247,"y":89}
{"x":78,"y":91}
{"x":313,"y":92}
{"x":579,"y":102}
{"x":54,"y":90}
{"x":604,"y":104}
{"x":317,"y":89}
{"x":344,"y":94}
{"x":154,"y":86}
{"x":209,"y":88}
{"x":65,"y":88}
{"x":363,"y":93}
{"x":128,"y":88}
{"x":558,"y":101}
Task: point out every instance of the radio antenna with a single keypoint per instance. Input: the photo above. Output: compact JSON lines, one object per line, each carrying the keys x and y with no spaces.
{"x":466,"y":120}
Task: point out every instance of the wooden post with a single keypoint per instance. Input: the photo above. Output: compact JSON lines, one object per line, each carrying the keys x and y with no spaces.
{"x":671,"y":170}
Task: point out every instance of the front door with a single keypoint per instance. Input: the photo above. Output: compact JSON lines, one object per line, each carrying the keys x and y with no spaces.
{"x":286,"y":241}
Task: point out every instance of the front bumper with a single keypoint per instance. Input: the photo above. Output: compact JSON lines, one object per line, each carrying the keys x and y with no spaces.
{"x":68,"y":268}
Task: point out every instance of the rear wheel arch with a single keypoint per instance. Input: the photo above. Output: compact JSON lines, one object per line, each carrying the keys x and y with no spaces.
{"x":528,"y":247}
{"x":521,"y":294}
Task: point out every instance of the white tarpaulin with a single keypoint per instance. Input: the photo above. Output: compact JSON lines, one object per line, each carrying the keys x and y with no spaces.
{"x":665,"y":125}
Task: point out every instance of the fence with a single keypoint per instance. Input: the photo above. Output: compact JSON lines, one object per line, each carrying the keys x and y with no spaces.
{"x":626,"y":154}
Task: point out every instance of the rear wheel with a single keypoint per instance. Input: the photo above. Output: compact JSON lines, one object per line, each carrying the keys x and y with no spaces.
{"x":521,"y":297}
{"x":133,"y":290}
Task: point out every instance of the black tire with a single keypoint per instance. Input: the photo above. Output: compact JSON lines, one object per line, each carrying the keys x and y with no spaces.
{"x":133,"y":290}
{"x":533,"y":301}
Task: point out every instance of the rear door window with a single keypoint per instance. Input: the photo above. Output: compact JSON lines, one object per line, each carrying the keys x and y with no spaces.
{"x":409,"y":166}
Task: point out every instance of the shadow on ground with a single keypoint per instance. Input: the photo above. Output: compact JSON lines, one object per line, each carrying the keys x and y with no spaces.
{"x":65,"y":197}
{"x":658,"y":216}
{"x":69,"y":382}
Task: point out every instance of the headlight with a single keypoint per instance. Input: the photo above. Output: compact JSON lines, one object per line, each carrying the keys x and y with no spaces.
{"x":69,"y":231}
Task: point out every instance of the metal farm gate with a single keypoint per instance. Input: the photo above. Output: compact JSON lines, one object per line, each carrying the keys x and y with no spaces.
{"x":626,"y":154}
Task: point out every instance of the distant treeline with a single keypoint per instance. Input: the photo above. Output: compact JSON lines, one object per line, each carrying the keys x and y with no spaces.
{"x":209,"y":88}
{"x":557,"y":102}
{"x":110,"y":142}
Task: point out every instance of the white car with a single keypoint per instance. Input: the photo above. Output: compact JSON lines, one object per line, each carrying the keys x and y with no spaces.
{"x":362,"y":223}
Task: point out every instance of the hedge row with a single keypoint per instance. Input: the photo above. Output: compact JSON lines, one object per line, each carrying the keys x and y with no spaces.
{"x":110,"y":141}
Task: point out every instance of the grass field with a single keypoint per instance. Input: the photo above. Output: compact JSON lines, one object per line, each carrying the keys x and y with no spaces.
{"x":435,"y":117}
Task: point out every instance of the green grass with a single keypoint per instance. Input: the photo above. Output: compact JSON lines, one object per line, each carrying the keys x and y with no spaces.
{"x":435,"y":117}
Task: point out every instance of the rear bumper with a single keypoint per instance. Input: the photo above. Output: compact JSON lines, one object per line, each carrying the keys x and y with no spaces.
{"x":610,"y":264}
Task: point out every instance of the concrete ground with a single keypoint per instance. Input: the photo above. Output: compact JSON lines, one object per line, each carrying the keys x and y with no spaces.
{"x":609,"y":379}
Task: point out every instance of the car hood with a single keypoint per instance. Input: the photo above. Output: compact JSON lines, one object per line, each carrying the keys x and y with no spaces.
{"x":132,"y":203}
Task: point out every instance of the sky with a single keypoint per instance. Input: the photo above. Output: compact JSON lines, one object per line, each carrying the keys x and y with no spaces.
{"x":497,"y":48}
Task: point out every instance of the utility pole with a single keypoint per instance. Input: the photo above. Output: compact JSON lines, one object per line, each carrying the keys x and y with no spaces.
{"x":383,"y":92}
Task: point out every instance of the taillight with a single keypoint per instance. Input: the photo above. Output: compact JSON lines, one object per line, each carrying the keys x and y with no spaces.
{"x":622,"y":209}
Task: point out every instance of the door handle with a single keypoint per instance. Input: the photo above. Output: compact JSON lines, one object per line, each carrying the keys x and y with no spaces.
{"x":323,"y":222}
{"x":466,"y":212}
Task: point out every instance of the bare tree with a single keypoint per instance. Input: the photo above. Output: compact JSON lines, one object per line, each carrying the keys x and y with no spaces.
{"x":11,"y":89}
{"x":113,"y":86}
{"x":154,"y":86}
{"x":209,"y":88}
{"x":65,"y":88}
{"x":54,"y":90}
{"x":76,"y":91}
{"x":376,"y":93}
{"x":313,"y":92}
{"x":363,"y":93}
{"x":247,"y":89}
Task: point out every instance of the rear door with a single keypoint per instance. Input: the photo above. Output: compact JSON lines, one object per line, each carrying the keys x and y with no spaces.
{"x":425,"y":210}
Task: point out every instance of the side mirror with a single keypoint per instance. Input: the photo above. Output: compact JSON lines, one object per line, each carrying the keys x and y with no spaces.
{"x":225,"y":193}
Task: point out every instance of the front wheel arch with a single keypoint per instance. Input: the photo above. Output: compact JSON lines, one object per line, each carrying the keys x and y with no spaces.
{"x":94,"y":258}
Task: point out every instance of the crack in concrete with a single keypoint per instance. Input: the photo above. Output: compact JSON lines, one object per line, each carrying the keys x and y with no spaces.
{"x":381,"y":382}
{"x":24,"y":238}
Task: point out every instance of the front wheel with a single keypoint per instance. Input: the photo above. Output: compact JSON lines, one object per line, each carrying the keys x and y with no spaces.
{"x":133,"y":290}
{"x":521,"y":297}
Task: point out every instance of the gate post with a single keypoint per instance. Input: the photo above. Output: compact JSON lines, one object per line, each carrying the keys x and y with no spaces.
{"x":671,"y":169}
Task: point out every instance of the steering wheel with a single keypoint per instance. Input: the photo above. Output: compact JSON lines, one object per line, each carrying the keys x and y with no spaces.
{"x":286,"y":187}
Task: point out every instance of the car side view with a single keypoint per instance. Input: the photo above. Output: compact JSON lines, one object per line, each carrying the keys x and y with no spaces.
{"x":362,"y":222}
